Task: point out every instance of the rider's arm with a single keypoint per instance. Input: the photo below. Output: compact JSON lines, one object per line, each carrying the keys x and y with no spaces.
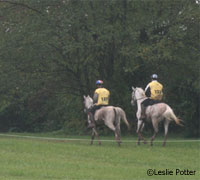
{"x":95,"y":98}
{"x":148,"y":91}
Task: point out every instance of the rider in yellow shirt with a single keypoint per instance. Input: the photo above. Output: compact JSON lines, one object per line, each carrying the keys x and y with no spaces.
{"x":154,"y":92}
{"x":100,"y":98}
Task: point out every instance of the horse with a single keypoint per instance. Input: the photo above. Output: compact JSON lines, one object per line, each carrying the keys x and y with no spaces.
{"x":111,"y":117}
{"x":154,"y":113}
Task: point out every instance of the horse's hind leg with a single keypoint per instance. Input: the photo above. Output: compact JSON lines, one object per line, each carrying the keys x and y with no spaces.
{"x":166,"y":125}
{"x":117,"y":136}
{"x":116,"y":131}
{"x":155,"y":126}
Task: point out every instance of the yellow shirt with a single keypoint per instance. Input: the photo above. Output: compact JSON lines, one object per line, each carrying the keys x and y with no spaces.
{"x":156,"y":90}
{"x":103,"y":96}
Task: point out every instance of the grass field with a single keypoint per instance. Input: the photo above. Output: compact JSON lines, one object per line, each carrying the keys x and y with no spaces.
{"x":34,"y":158}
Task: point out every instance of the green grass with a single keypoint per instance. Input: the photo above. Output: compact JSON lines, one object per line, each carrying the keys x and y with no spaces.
{"x":28,"y":159}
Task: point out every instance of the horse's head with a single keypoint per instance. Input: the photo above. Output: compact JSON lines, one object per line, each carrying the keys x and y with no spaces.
{"x":137,"y":93}
{"x":88,"y":102}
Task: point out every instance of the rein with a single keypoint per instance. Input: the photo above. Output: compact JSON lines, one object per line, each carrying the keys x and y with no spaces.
{"x":140,"y":98}
{"x":87,"y":110}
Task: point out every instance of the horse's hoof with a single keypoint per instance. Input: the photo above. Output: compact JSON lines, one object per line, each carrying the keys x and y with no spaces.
{"x":119,"y":144}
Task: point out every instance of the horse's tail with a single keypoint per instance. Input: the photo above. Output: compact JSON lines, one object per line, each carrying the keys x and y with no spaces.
{"x":115,"y":112}
{"x":122,"y":114}
{"x":173,"y":117}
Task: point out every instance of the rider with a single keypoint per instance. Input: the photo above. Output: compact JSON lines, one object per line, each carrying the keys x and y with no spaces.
{"x":100,"y":98}
{"x":154,"y":92}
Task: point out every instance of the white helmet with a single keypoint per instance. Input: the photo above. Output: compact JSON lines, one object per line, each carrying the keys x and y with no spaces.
{"x":154,"y":76}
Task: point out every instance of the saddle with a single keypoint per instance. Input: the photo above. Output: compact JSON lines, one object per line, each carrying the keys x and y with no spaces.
{"x":95,"y":108}
{"x":150,"y":102}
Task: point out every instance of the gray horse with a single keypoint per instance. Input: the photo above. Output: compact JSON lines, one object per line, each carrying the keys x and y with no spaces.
{"x":154,"y":113}
{"x":111,"y":117}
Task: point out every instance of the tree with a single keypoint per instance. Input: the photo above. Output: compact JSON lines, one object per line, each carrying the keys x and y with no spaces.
{"x":52,"y":52}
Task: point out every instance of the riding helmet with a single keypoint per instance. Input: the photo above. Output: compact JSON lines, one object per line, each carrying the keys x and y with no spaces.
{"x":99,"y":82}
{"x":154,"y":76}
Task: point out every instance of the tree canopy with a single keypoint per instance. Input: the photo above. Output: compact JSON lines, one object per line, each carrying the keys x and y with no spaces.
{"x":53,"y":51}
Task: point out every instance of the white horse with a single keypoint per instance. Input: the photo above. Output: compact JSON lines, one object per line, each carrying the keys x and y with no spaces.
{"x":154,"y":113}
{"x":110,"y":115}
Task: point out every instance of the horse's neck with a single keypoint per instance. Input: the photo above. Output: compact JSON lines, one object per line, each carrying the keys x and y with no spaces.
{"x":89,"y":107}
{"x":140,"y":97}
{"x":140,"y":100}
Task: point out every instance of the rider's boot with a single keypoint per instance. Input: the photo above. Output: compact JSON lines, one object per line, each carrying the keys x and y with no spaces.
{"x":92,"y":123}
{"x":143,"y":114}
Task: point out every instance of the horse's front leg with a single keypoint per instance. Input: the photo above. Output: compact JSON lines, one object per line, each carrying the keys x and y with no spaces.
{"x":140,"y":137}
{"x":138,"y":141}
{"x":153,"y":137}
{"x":94,"y":132}
{"x":140,"y":126}
{"x":92,"y":137}
{"x":144,"y":141}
